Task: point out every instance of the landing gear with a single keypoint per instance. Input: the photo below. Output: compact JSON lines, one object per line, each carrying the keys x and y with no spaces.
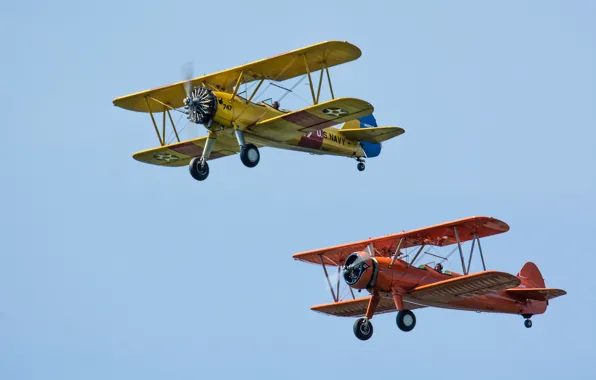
{"x":249,"y":155}
{"x":406,"y":320}
{"x":363,"y":328}
{"x":199,"y":170}
{"x":527,"y":322}
{"x":360,"y":165}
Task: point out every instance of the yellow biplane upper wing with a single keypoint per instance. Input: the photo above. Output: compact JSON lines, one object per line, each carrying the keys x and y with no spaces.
{"x":320,"y":116}
{"x":181,"y":153}
{"x":278,"y":68}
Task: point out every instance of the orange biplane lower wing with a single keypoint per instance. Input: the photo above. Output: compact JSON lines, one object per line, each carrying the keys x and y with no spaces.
{"x":357,"y":307}
{"x":473,"y":285}
{"x":539,"y":294}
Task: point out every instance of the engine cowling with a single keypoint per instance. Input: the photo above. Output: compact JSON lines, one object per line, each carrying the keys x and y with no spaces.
{"x":201,"y":106}
{"x":360,"y":270}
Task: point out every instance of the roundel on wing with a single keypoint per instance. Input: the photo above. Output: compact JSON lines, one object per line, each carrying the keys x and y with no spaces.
{"x":165,"y":157}
{"x":335,"y":112}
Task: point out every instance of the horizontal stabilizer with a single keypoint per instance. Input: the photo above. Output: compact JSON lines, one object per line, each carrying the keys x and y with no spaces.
{"x":539,"y":294}
{"x":472,"y":285}
{"x":357,"y":307}
{"x":372,"y":135}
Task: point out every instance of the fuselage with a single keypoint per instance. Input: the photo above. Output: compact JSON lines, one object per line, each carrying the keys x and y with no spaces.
{"x":401,"y":275}
{"x":245,"y":115}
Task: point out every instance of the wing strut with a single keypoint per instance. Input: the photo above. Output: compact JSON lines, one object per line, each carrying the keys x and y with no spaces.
{"x":417,"y":254}
{"x":465,"y":269}
{"x":461,"y":254}
{"x":161,"y":142}
{"x":336,"y":299}
{"x":397,"y":251}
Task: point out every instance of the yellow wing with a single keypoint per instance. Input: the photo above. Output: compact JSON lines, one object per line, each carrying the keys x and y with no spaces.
{"x":472,"y":285}
{"x":323,"y":115}
{"x":278,"y":68}
{"x":181,"y":153}
{"x":372,"y":135}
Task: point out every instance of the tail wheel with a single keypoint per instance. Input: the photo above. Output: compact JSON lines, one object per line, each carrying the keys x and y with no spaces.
{"x":198,"y":170}
{"x":361,"y":166}
{"x":406,"y":320}
{"x":363,"y":329}
{"x":528,"y":323}
{"x":249,"y":155}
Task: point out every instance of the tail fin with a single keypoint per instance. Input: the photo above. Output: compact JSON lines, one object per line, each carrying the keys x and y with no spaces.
{"x":369,"y":121}
{"x":530,"y":276}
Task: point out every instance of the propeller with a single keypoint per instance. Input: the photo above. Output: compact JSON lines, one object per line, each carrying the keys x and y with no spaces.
{"x":188,"y":73}
{"x":200,"y":103}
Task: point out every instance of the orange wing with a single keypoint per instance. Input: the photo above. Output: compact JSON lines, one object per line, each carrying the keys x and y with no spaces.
{"x":357,"y":307}
{"x":539,"y":294}
{"x":473,"y":285}
{"x":438,"y":235}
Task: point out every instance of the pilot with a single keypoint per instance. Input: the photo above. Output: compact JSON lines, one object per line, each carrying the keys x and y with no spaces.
{"x":439,"y":268}
{"x":275,"y":105}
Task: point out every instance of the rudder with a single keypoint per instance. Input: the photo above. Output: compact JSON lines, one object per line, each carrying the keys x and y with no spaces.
{"x":530,"y":276}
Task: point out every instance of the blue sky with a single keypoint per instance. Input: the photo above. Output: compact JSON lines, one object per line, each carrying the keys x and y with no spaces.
{"x":111,"y":269}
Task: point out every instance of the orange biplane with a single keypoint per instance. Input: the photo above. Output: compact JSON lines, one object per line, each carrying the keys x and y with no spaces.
{"x":384,"y":267}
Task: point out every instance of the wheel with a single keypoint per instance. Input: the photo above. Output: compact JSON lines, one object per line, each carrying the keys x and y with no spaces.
{"x":528,"y":323}
{"x":198,"y":170}
{"x":363,"y":329}
{"x":406,"y":320}
{"x":361,"y":166}
{"x":249,"y":155}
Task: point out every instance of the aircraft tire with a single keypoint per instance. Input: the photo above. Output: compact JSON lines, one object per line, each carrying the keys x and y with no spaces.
{"x":406,"y":320}
{"x":361,"y":166}
{"x":249,"y":155}
{"x":528,"y":323}
{"x":363,"y":329}
{"x":198,"y":171}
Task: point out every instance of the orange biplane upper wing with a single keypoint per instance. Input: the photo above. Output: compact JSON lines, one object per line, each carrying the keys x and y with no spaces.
{"x":320,"y":116}
{"x":438,"y":235}
{"x":472,"y":285}
{"x":539,"y":294}
{"x":357,"y":307}
{"x":279,"y":68}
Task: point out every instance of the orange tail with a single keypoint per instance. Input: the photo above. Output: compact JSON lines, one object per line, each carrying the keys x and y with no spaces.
{"x":530,"y":276}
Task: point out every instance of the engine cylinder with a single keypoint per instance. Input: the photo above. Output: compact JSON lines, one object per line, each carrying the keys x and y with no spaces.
{"x":359,"y":270}
{"x":201,"y":105}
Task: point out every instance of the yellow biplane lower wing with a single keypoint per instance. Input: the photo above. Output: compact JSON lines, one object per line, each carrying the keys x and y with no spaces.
{"x":357,"y":307}
{"x":181,"y":153}
{"x":372,"y":135}
{"x":314,"y":118}
{"x":472,"y":285}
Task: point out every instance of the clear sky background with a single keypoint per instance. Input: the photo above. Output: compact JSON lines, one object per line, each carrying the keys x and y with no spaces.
{"x":112,"y":269}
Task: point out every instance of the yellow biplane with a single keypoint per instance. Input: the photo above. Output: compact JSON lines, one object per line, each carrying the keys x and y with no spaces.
{"x":236,"y":124}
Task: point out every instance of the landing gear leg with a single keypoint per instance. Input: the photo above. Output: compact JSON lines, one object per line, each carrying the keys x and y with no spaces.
{"x":249,"y":153}
{"x":360,"y":165}
{"x":198,"y":167}
{"x":406,"y":320}
{"x":363,"y":328}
